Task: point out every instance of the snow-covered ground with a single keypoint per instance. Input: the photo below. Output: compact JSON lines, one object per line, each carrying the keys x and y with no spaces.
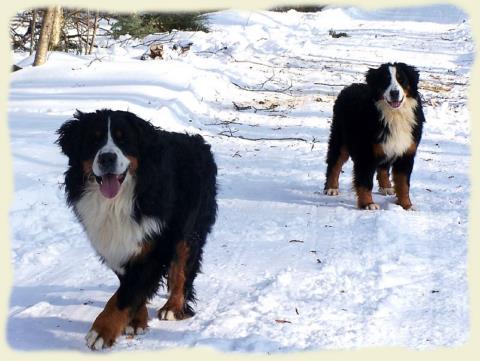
{"x":286,"y":267}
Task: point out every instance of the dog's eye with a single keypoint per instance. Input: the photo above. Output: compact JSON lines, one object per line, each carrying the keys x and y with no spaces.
{"x":402,"y":80}
{"x":119,"y":137}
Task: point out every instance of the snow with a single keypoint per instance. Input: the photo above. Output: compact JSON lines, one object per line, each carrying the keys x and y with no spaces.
{"x":286,"y":267}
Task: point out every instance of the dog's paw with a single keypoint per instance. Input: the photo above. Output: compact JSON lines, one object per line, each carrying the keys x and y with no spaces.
{"x":331,"y":191}
{"x":390,"y":191}
{"x":405,"y":204}
{"x":103,"y":334}
{"x":95,"y":341}
{"x":169,"y":314}
{"x":139,"y":323}
{"x":372,"y":206}
{"x":132,"y":331}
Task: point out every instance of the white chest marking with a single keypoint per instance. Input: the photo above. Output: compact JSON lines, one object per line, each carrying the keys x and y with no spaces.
{"x":114,"y":234}
{"x":400,"y":123}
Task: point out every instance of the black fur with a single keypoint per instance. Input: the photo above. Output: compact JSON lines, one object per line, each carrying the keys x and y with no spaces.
{"x":175,"y":183}
{"x":357,"y":126}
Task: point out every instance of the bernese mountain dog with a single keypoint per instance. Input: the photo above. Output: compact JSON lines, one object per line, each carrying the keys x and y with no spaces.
{"x":147,"y":200}
{"x":379,"y":125}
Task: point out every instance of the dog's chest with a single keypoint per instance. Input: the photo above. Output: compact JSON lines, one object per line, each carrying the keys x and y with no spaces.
{"x":400,"y":125}
{"x":114,"y":234}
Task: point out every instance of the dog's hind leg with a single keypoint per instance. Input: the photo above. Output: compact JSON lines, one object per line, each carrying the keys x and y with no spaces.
{"x":337,"y":155}
{"x":176,"y":307}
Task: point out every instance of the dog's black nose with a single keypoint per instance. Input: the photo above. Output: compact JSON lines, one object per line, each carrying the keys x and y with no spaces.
{"x":394,"y":94}
{"x":107,"y":161}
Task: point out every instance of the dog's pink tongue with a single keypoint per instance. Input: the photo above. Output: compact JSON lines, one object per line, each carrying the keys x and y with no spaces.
{"x":110,"y":185}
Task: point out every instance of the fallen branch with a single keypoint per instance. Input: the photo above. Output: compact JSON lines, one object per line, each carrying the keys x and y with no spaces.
{"x":262,"y":89}
{"x":163,"y":39}
{"x":230,"y":134}
{"x":226,"y":122}
{"x":96,"y":59}
{"x":241,"y":107}
{"x":283,"y":321}
{"x":210,"y":51}
{"x":326,"y":84}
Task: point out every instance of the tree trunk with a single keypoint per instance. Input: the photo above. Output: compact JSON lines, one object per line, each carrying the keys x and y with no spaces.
{"x":33,"y":25}
{"x":44,"y":40}
{"x":88,"y":32}
{"x":56,"y":27}
{"x":79,"y":34}
{"x":95,"y":27}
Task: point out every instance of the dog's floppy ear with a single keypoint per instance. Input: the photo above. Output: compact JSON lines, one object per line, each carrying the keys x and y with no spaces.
{"x":372,"y":76}
{"x":69,"y":135}
{"x":146,"y":131}
{"x":412,"y":75}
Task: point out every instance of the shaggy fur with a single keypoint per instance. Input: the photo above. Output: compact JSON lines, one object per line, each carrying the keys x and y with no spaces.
{"x":147,"y":200}
{"x":379,"y":125}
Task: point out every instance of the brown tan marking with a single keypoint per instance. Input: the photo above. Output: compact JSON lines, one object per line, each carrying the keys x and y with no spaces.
{"x":364,"y":197}
{"x":140,"y":319}
{"x":402,"y":190}
{"x":332,"y":180}
{"x":176,"y":285}
{"x":111,"y":322}
{"x":383,"y":178}
{"x":87,"y":170}
{"x":146,"y":248}
{"x":378,"y":151}
{"x":407,"y":91}
{"x":412,"y":149}
{"x":133,"y":164}
{"x":87,"y":167}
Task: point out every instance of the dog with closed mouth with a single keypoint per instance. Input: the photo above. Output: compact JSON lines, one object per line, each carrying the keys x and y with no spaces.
{"x":379,"y":125}
{"x":147,"y":201}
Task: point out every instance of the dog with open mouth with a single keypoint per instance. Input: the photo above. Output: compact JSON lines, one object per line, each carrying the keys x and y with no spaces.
{"x":147,"y":201}
{"x":379,"y":125}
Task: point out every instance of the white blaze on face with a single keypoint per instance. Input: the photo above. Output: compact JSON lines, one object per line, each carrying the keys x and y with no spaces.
{"x":394,"y":85}
{"x":122,"y":162}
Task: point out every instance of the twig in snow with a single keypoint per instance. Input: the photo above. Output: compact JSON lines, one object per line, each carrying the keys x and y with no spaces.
{"x":282,"y":321}
{"x":261,"y":89}
{"x":167,"y":38}
{"x":96,"y":59}
{"x":211,"y":52}
{"x":326,"y":84}
{"x":226,"y":134}
{"x":226,"y":122}
{"x":241,"y":107}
